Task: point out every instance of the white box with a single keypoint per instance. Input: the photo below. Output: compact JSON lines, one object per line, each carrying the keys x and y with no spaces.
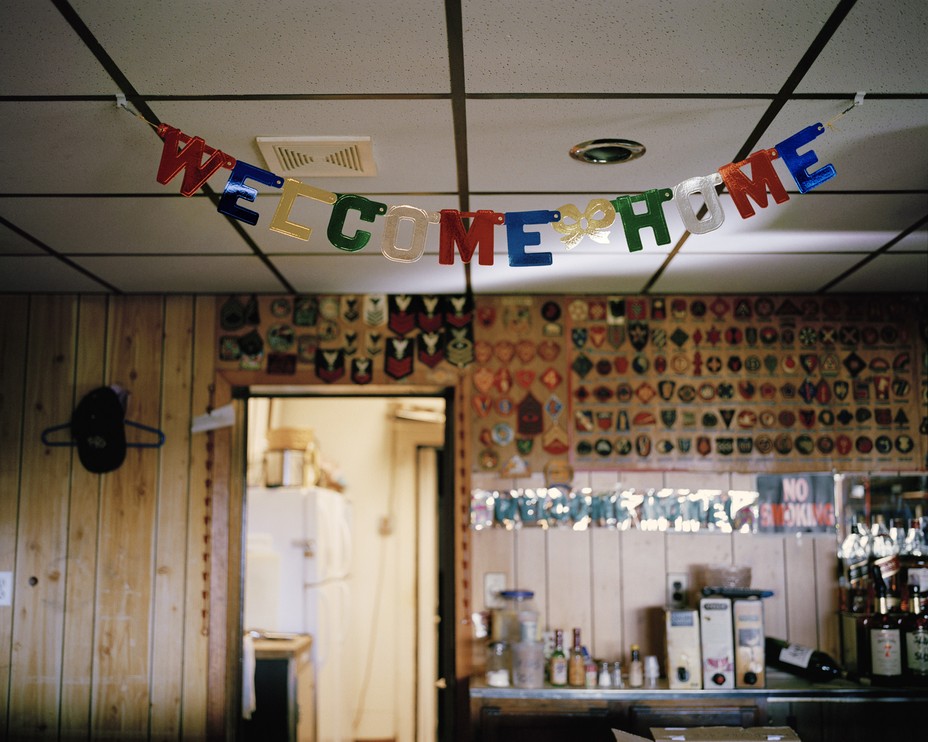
{"x":748,"y":617}
{"x":684,"y":657}
{"x":718,"y":650}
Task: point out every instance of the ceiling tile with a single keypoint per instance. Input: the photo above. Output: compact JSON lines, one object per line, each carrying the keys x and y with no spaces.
{"x":814,"y":222}
{"x":575,"y":273}
{"x":754,"y":273}
{"x":28,"y":26}
{"x":879,"y":145}
{"x":913,"y":242}
{"x":660,"y":46}
{"x":131,"y":225}
{"x":876,"y":49}
{"x":503,"y":157}
{"x":315,"y":214}
{"x":43,"y":274}
{"x":414,"y":159}
{"x":76,"y":147}
{"x":182,"y":274}
{"x":888,"y":273}
{"x":284,"y":47}
{"x":374,"y":274}
{"x":13,"y":243}
{"x":552,"y":240}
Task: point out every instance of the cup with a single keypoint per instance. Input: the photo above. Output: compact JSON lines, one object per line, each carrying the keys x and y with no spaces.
{"x":652,"y":671}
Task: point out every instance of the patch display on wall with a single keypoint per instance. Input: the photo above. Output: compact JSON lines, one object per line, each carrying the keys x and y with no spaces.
{"x":519,"y":384}
{"x":772,"y":383}
{"x":369,"y":339}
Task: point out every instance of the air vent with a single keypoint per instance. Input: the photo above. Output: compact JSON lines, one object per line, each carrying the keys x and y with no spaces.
{"x":319,"y":156}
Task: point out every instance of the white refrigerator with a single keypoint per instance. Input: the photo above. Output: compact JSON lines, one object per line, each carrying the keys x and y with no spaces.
{"x":298,"y":562}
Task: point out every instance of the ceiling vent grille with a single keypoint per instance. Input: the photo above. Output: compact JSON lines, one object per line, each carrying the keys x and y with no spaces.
{"x":319,"y":156}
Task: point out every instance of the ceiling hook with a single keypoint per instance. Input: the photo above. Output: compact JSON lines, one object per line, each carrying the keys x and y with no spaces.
{"x":120,"y":100}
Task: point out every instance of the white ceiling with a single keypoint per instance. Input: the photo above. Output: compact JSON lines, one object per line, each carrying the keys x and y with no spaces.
{"x":471,"y":104}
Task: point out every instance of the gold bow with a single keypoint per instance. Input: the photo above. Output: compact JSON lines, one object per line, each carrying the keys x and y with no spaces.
{"x":585,"y":224}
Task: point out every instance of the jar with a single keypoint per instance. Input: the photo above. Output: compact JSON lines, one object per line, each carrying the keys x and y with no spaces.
{"x":519,"y":608}
{"x":498,"y":663}
{"x":528,"y":660}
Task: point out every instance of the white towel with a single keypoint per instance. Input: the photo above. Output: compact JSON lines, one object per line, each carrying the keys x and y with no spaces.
{"x":249,"y":701}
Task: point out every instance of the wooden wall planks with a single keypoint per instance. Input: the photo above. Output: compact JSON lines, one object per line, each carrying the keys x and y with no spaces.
{"x":612,"y":583}
{"x":41,"y":557}
{"x":105,"y":637}
{"x":14,"y":316}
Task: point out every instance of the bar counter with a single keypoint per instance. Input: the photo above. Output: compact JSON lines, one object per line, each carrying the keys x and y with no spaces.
{"x":818,"y":712}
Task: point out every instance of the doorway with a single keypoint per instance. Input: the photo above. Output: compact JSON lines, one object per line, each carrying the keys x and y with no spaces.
{"x":389,"y":456}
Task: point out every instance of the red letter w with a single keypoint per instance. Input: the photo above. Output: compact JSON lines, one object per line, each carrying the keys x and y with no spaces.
{"x":188,"y":158}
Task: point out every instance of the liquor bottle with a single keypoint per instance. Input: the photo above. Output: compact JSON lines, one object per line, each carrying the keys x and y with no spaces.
{"x":805,"y":662}
{"x":576,"y":664}
{"x":884,"y":637}
{"x":916,"y":637}
{"x":557,"y":667}
{"x":635,"y":668}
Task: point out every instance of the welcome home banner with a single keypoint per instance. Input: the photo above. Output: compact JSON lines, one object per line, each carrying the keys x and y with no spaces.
{"x":750,"y":180}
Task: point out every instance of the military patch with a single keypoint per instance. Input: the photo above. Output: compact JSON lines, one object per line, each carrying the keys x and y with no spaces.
{"x":665,"y":388}
{"x":459,"y":310}
{"x":725,"y":446}
{"x":398,"y":359}
{"x":643,"y":445}
{"x":638,"y":334}
{"x":524,"y":445}
{"x":281,"y":363}
{"x":429,"y":313}
{"x":548,"y":350}
{"x":351,"y":343}
{"x":430,"y":347}
{"x":597,"y":335}
{"x":727,"y":415}
{"x":604,"y":419}
{"x":528,"y":416}
{"x":372,"y":343}
{"x":330,"y":365}
{"x":350,"y":310}
{"x":555,"y":441}
{"x":459,"y":349}
{"x":524,"y":377}
{"x":582,"y":366}
{"x":668,"y":417}
{"x":578,"y":336}
{"x":374,"y":310}
{"x":551,"y":378}
{"x":502,"y":380}
{"x":583,"y":421}
{"x":401,"y":317}
{"x":361,"y":369}
{"x":305,"y":311}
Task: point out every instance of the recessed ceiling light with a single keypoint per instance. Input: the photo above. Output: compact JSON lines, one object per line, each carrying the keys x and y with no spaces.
{"x":607,"y":151}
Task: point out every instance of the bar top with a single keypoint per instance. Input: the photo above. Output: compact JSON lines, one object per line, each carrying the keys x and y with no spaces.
{"x":780,"y":685}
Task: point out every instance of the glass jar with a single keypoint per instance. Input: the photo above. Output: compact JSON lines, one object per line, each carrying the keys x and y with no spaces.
{"x":498,"y":664}
{"x":519,"y":609}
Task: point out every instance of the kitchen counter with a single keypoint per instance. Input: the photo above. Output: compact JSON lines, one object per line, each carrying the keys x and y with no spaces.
{"x":779,"y":684}
{"x":814,"y":710}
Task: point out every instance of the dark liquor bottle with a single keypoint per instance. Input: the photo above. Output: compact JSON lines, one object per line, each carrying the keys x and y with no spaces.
{"x":805,"y":662}
{"x":915,"y":631}
{"x":884,"y":635}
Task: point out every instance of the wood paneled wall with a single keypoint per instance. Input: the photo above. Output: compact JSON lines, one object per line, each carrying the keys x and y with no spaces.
{"x":110,"y":631}
{"x":612,"y":584}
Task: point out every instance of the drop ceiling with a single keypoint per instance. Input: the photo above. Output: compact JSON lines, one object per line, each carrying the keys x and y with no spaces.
{"x":470,"y":104}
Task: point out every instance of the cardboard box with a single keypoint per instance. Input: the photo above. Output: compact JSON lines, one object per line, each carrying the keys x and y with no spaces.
{"x":684,"y":656}
{"x":723,"y":734}
{"x":718,"y":649}
{"x":748,"y":617}
{"x":712,"y":734}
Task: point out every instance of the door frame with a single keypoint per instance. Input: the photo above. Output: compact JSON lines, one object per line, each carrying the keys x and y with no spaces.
{"x":446,"y":706}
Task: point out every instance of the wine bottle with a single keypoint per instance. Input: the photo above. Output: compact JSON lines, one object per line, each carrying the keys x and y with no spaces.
{"x":557,"y":669}
{"x":805,"y":662}
{"x":576,"y":664}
